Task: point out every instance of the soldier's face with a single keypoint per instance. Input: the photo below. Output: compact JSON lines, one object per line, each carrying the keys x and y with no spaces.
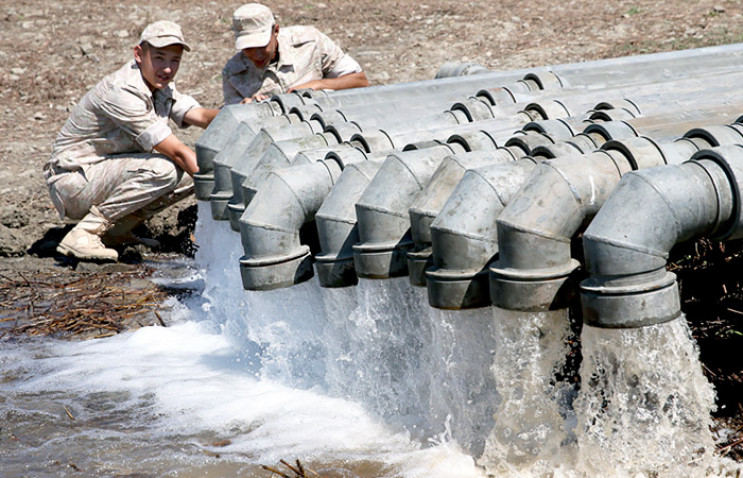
{"x":158,"y":65}
{"x":262,"y":56}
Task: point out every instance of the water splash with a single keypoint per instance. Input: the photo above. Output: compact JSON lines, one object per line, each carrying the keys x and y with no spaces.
{"x":644,"y":406}
{"x":533,"y":430}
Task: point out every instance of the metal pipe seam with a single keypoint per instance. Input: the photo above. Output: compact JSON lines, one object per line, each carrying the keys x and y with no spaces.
{"x":629,"y":285}
{"x":535,"y":233}
{"x":281,"y":154}
{"x":270,"y":226}
{"x":382,"y":210}
{"x":463,"y":235}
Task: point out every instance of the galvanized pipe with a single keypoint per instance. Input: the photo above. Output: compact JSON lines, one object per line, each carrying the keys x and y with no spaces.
{"x":270,"y":227}
{"x":626,"y":252}
{"x":432,"y":198}
{"x":263,"y":139}
{"x":457,"y":279}
{"x":220,"y":184}
{"x":429,"y":202}
{"x":337,"y":226}
{"x":535,"y":234}
{"x":382,"y":210}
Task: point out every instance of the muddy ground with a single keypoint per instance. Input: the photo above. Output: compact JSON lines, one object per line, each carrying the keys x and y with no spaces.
{"x":52,"y":52}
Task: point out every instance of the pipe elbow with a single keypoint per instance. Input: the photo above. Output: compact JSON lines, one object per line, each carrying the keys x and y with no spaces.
{"x":337,"y":225}
{"x":535,"y":230}
{"x":626,"y":251}
{"x":270,"y":226}
{"x":382,"y":211}
{"x":464,"y":244}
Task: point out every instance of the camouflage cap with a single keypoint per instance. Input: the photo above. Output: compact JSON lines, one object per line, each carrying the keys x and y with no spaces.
{"x":253,"y":24}
{"x":164,"y":33}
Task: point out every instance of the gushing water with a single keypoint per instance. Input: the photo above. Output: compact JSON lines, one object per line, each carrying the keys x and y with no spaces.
{"x":534,"y":424}
{"x":644,"y":404}
{"x":365,"y":381}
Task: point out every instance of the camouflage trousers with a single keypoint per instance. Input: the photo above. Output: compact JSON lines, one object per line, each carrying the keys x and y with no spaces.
{"x":123,"y":185}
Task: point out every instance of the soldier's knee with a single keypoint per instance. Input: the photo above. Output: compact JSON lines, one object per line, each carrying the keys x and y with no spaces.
{"x":166,"y":172}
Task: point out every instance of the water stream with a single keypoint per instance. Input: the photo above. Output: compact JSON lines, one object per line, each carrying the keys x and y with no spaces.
{"x":363,"y":382}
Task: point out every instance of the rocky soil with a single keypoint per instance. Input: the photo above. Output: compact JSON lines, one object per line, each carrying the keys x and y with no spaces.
{"x":52,"y":52}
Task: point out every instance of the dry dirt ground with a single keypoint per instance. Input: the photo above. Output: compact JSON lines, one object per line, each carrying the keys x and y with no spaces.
{"x":52,"y":52}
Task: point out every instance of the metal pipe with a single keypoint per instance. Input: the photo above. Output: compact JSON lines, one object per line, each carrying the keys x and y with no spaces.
{"x":626,"y":252}
{"x":382,"y":210}
{"x":263,"y":139}
{"x":337,"y":226}
{"x":270,"y":227}
{"x":220,"y":185}
{"x":463,"y":234}
{"x":432,"y":198}
{"x":535,"y":234}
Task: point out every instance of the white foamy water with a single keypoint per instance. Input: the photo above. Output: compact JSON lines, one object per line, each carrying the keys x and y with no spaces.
{"x":366,"y":381}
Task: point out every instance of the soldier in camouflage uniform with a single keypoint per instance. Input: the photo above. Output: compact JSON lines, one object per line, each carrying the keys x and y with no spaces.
{"x":116,"y":161}
{"x":272,"y":60}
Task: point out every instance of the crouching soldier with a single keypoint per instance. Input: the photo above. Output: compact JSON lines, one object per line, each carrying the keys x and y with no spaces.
{"x":116,"y":161}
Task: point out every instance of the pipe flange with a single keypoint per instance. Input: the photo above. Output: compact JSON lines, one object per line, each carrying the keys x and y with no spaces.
{"x":497,"y":96}
{"x":203,"y":185}
{"x":334,"y":270}
{"x":381,"y":260}
{"x":547,"y":110}
{"x":554,"y":128}
{"x":625,"y":104}
{"x":418,"y":263}
{"x":716,"y":135}
{"x":452,"y":290}
{"x":474,"y":109}
{"x":611,"y":130}
{"x":641,"y":152}
{"x":274,"y":272}
{"x":730,"y":159}
{"x":545,"y":80}
{"x":532,"y":289}
{"x":630,"y":305}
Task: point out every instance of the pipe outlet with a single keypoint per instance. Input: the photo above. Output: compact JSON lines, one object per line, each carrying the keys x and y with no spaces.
{"x":270,"y":226}
{"x":382,"y":211}
{"x":626,"y":252}
{"x":337,"y":227}
{"x":464,"y":237}
{"x":536,"y":228}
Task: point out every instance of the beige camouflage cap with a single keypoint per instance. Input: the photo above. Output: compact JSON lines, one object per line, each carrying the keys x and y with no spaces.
{"x":253,"y":24}
{"x":164,"y":33}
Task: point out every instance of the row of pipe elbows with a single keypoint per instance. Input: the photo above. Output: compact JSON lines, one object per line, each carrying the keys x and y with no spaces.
{"x":569,"y":207}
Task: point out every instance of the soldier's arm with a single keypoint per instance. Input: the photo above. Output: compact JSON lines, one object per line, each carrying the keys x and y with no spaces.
{"x":183,"y":156}
{"x":200,"y":117}
{"x":352,"y":80}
